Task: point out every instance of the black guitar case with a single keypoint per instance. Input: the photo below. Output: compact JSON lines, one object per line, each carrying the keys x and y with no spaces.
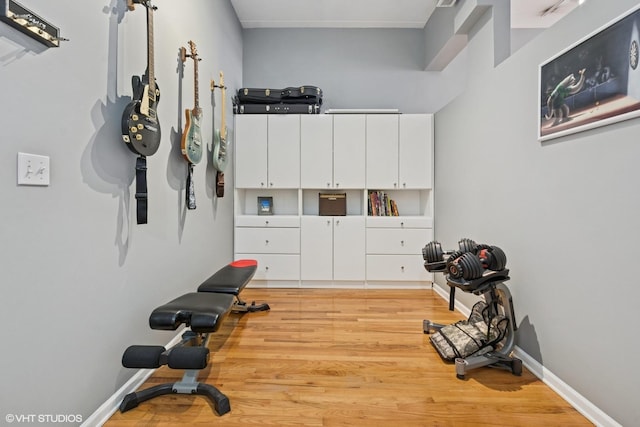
{"x":289,"y":95}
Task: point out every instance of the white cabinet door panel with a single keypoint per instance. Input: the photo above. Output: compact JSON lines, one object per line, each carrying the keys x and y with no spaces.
{"x":391,"y":241}
{"x":268,"y":240}
{"x":274,"y":267}
{"x":250,"y":151}
{"x":396,"y":268}
{"x":349,"y":148}
{"x":382,"y":151}
{"x":316,"y":151}
{"x":316,"y":248}
{"x":348,"y":248}
{"x":284,"y":151}
{"x":415,"y":133}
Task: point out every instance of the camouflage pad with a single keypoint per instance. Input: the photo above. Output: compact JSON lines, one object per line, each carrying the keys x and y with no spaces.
{"x":469,"y":337}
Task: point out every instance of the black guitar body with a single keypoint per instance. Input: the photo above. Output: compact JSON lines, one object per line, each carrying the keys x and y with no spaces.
{"x":140,"y":125}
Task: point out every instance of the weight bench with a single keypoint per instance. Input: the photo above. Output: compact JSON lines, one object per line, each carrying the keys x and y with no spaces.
{"x":203,"y":313}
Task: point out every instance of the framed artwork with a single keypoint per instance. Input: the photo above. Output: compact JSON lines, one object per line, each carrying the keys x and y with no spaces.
{"x":593,"y":83}
{"x":265,"y":205}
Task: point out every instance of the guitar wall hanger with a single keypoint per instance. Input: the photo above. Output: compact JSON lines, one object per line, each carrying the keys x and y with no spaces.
{"x":24,"y":20}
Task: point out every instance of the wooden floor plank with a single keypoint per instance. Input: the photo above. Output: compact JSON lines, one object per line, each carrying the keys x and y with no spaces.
{"x":323,"y":357}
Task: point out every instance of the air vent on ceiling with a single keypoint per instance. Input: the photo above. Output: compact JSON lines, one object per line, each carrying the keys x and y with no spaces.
{"x":446,"y":3}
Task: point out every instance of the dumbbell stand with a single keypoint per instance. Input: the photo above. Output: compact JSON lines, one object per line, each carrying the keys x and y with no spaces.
{"x":495,"y":293}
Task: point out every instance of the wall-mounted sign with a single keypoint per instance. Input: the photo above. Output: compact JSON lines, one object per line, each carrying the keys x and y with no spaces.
{"x":21,"y":18}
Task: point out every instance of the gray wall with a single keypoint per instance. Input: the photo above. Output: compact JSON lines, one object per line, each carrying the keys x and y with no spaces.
{"x":565,"y":212}
{"x":79,"y":277}
{"x":356,"y":68}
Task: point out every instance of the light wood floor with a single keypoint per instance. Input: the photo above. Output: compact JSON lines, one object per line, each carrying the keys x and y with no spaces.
{"x":347,"y":358}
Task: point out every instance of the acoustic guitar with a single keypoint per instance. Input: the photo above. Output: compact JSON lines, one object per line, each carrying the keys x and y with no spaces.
{"x":191,"y":144}
{"x":220,"y":145}
{"x":140,"y":125}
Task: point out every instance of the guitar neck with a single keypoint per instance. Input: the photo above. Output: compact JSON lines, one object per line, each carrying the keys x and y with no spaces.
{"x":223,"y":124}
{"x":196,"y":89}
{"x":150,"y":53}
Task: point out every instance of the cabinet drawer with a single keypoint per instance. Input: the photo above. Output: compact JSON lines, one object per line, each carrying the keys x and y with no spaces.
{"x":267,"y":221}
{"x":399,"y":222}
{"x":396,"y":268}
{"x":268,"y":240}
{"x":274,"y":267}
{"x":392,"y":241}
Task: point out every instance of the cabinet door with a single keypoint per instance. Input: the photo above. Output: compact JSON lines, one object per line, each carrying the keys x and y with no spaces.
{"x":349,"y":138}
{"x":284,"y":151}
{"x":250,"y":151}
{"x":349,"y":248}
{"x":316,"y":151}
{"x":382,"y":151}
{"x":415,"y":150}
{"x":316,"y":248}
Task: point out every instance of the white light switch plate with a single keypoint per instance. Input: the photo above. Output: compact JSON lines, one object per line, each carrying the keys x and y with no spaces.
{"x":33,"y":169}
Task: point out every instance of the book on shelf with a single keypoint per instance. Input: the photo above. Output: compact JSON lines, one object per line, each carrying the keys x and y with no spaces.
{"x":380,"y":204}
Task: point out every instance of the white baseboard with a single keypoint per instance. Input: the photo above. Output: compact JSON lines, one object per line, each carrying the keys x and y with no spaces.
{"x":108,"y":408}
{"x":575,"y":399}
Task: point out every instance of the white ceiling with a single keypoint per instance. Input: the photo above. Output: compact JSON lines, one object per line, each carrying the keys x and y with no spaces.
{"x":377,"y":13}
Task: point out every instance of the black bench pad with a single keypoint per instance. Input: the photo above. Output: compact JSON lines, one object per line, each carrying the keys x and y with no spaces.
{"x":203,"y":312}
{"x":230,"y":279}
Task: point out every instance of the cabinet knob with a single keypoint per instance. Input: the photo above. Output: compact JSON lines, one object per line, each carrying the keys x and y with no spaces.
{"x":402,"y":268}
{"x":337,"y":222}
{"x":262,"y":184}
{"x":328,"y":184}
{"x":266,"y":242}
{"x":395,"y":185}
{"x":404,"y":184}
{"x":271,"y":184}
{"x":266,"y":268}
{"x":337,"y":184}
{"x":402,"y":224}
{"x":266,"y":222}
{"x":401,"y":242}
{"x":328,"y":222}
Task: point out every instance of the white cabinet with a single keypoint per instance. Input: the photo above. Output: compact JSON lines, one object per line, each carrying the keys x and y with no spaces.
{"x":394,"y":249}
{"x":267,"y":151}
{"x":399,"y":151}
{"x":293,"y":158}
{"x":332,"y":248}
{"x":332,"y":151}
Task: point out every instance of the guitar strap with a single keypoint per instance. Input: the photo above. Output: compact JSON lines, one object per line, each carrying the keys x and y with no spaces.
{"x":141,"y":189}
{"x":220,"y":184}
{"x":190,"y":193}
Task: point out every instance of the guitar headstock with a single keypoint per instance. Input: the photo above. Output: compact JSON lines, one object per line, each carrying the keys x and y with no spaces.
{"x":222,"y":86}
{"x":194,"y":51}
{"x":131,"y":4}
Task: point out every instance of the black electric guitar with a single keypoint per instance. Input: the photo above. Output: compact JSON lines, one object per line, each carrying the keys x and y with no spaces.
{"x":220,"y":141}
{"x":140,"y":125}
